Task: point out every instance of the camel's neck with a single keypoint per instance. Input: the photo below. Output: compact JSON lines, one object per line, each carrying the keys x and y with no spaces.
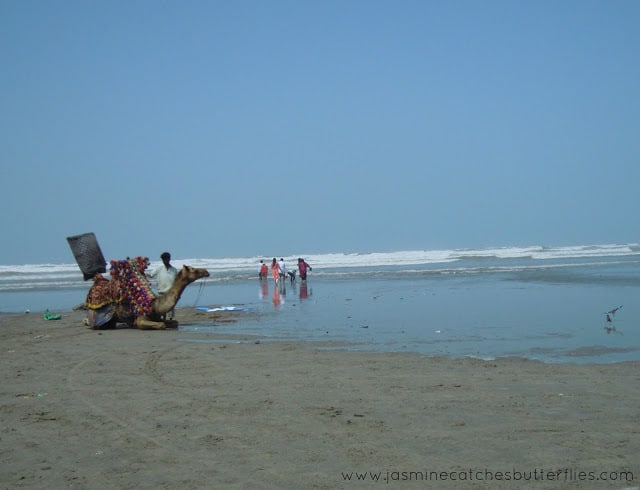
{"x":167,"y":302}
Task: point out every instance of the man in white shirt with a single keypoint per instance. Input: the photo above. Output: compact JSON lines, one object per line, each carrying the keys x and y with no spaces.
{"x":283,"y":269}
{"x":165,"y":276}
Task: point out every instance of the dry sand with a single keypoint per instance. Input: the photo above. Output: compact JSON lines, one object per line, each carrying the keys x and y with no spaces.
{"x":147,"y":409}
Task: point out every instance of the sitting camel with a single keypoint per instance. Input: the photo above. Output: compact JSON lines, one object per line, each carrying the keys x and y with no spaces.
{"x":111,"y":302}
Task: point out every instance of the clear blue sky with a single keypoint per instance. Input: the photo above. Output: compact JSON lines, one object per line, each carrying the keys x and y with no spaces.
{"x":240,"y":128}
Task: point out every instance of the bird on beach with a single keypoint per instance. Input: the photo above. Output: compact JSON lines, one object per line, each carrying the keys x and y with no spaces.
{"x":609,"y":326}
{"x":613,"y":312}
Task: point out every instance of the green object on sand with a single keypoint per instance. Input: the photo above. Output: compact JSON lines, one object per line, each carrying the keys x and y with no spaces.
{"x":51,"y":316}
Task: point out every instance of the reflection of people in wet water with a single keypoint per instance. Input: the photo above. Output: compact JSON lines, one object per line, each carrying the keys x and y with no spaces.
{"x":304,"y":292}
{"x":277,"y":299}
{"x":303,"y":267}
{"x":264,"y":289}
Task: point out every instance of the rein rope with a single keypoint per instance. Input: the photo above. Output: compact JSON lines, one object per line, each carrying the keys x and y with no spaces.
{"x":201,"y":286}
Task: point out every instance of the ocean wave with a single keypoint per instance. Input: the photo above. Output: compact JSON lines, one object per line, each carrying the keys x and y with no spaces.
{"x":586,"y":251}
{"x":446,"y":262}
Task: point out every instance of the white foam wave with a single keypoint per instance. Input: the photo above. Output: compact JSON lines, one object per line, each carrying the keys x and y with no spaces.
{"x":34,"y":275}
{"x":417,"y":257}
{"x":39,"y":269}
{"x":585,"y":251}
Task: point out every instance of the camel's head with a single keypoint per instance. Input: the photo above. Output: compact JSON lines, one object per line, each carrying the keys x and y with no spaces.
{"x":190,"y":274}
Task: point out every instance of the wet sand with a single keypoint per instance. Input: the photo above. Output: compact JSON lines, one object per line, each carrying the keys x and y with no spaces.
{"x":160,"y":409}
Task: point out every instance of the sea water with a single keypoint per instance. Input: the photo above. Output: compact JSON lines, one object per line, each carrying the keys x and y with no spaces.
{"x":546,"y":303}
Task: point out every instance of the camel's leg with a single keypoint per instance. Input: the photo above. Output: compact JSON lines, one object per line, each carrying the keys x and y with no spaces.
{"x":143,"y":323}
{"x":171,"y":323}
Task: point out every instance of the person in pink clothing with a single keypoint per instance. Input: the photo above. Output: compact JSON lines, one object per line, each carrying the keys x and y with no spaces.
{"x":303,"y":267}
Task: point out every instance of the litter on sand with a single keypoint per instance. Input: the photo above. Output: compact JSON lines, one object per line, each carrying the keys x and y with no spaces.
{"x":221,"y":308}
{"x":51,"y":316}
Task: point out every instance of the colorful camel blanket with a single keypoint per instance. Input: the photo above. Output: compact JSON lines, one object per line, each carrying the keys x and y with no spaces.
{"x":128,"y":286}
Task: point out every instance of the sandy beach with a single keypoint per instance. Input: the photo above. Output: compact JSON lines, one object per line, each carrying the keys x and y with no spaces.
{"x":160,"y":409}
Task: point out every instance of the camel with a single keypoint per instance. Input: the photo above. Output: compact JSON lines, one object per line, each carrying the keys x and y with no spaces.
{"x":107,"y":305}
